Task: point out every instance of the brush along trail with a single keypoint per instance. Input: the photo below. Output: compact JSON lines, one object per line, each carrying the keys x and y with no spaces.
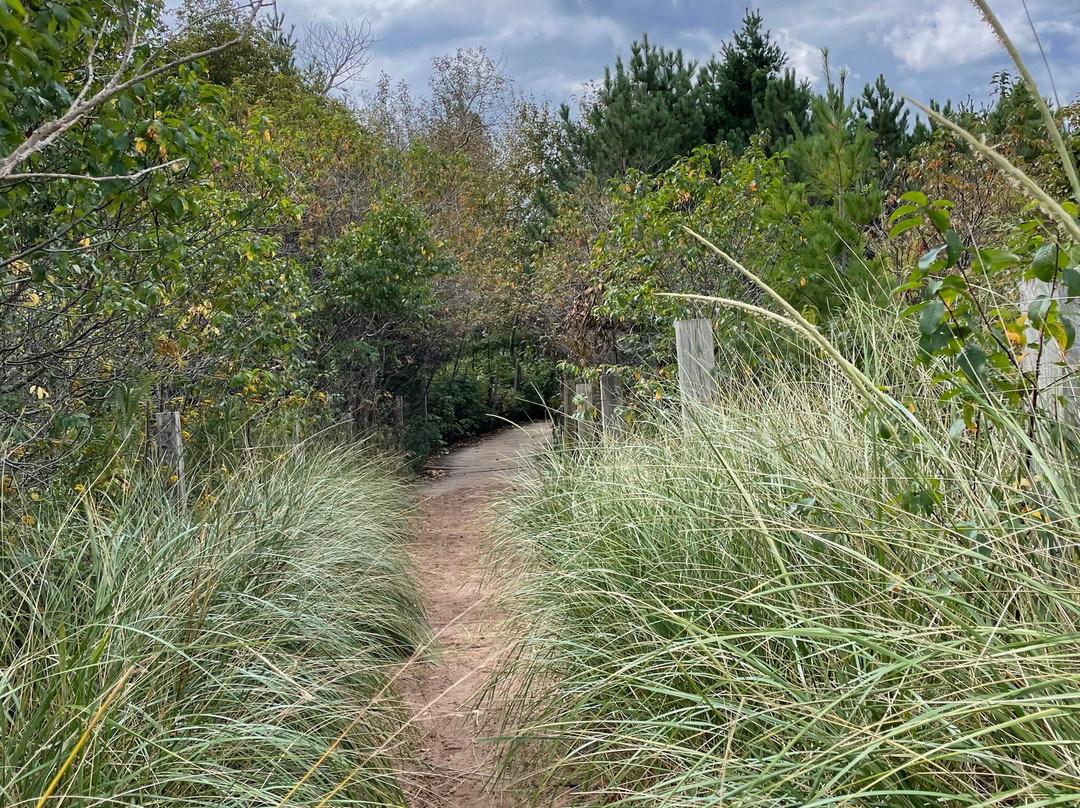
{"x":449,"y":557}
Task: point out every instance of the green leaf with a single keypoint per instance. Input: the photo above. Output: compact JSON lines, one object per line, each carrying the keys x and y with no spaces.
{"x":902,"y":211}
{"x":931,"y":317}
{"x":1037,"y":310}
{"x":1044,"y":264}
{"x":930,"y":258}
{"x":972,"y":363}
{"x":1070,"y":276}
{"x":939,"y":218}
{"x":903,"y":227}
{"x":1070,"y":333}
{"x":1054,"y":326}
{"x":994,"y":260}
{"x":953,"y":248}
{"x":915,"y":197}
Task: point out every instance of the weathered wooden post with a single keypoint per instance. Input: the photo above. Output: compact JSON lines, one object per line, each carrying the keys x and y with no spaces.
{"x":567,"y":424}
{"x":1059,"y":387}
{"x":611,"y":399}
{"x":586,"y":425}
{"x":169,"y":449}
{"x":696,"y":352}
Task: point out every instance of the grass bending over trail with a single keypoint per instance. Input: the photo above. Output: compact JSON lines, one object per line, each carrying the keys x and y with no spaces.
{"x":211,"y":660}
{"x":665,"y":657}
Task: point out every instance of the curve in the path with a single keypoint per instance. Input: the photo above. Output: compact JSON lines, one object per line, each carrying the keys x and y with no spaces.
{"x":448,"y":554}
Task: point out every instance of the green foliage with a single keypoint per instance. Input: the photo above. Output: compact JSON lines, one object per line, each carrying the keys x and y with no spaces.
{"x":267,"y":51}
{"x":885,"y":116}
{"x":166,"y":272}
{"x":743,"y":93}
{"x":644,"y":115}
{"x":660,"y":107}
{"x":984,"y":346}
{"x":646,"y":251}
{"x":835,"y":160}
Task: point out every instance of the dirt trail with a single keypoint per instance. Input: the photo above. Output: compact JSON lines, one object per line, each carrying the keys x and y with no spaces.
{"x":449,"y":556}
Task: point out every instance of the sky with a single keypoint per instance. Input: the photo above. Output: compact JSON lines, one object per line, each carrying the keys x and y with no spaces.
{"x":925,"y":48}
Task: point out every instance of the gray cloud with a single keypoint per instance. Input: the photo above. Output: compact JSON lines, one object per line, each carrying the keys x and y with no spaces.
{"x":925,"y":48}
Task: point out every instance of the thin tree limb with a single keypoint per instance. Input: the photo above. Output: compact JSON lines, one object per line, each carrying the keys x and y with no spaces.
{"x":48,"y":132}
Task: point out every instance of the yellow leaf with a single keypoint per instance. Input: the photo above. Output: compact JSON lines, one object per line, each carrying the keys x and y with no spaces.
{"x":85,"y":242}
{"x":266,"y":135}
{"x":39,"y":392}
{"x":33,"y":299}
{"x":140,"y":145}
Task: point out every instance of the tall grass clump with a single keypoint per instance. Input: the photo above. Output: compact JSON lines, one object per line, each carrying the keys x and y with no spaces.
{"x":759,"y":611}
{"x":241,"y":655}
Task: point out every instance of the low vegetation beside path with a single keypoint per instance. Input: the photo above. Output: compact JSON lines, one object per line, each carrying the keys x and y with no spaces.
{"x":789,"y":604}
{"x":213,"y":659}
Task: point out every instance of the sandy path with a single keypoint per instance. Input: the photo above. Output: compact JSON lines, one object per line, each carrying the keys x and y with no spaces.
{"x":449,"y":556}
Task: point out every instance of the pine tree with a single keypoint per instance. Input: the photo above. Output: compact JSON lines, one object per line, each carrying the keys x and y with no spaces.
{"x":836,"y":161}
{"x":885,"y":116}
{"x":784,"y":110}
{"x":743,"y":92}
{"x":658,"y":107}
{"x":644,"y":116}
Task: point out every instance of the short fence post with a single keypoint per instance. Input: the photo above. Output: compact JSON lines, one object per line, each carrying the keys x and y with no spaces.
{"x":611,"y":399}
{"x":1059,"y":389}
{"x":169,"y":449}
{"x":696,"y":352}
{"x":586,"y":425}
{"x":568,"y":424}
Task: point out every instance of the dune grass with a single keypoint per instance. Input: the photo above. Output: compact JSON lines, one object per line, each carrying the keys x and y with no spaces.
{"x":757,"y":611}
{"x":211,"y":659}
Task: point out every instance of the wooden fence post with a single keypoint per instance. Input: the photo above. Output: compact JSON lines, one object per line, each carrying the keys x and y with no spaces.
{"x":568,"y":425}
{"x":586,"y":425}
{"x":1058,"y":385}
{"x":611,"y":399}
{"x":169,"y":449}
{"x":696,"y":352}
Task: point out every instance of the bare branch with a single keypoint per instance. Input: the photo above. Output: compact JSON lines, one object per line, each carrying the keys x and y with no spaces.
{"x":334,"y":56}
{"x":39,"y":177}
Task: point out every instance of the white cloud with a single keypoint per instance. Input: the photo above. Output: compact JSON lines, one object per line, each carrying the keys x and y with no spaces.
{"x":803,"y":58}
{"x":951,"y":34}
{"x":925,"y":48}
